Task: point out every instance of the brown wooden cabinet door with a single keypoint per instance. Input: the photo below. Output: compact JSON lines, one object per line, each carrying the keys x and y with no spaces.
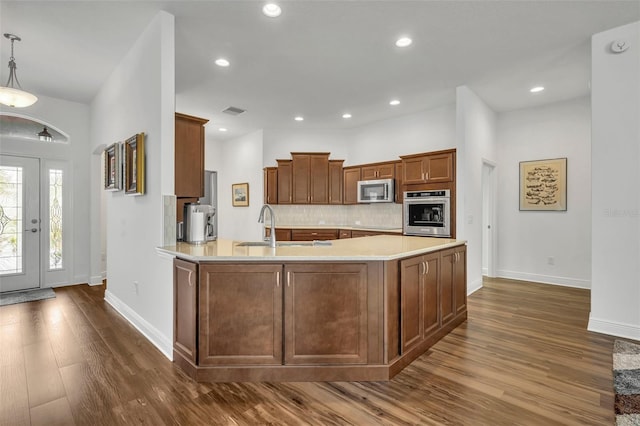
{"x":326,"y":313}
{"x":386,"y":171}
{"x":189,"y":156}
{"x":411,"y":308}
{"x":439,"y":168}
{"x":282,"y":234}
{"x":413,"y":170}
{"x":240,"y":314}
{"x":335,"y":181}
{"x":430,"y":294}
{"x":351,"y":176}
{"x":447,"y":293}
{"x":284,"y":182}
{"x":271,"y":185}
{"x":368,"y":172}
{"x":319,"y":179}
{"x":185,"y":291}
{"x":460,"y":279}
{"x":300,"y":175}
{"x":357,"y":233}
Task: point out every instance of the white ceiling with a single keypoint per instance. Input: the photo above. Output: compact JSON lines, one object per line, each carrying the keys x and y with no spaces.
{"x":320,"y":58}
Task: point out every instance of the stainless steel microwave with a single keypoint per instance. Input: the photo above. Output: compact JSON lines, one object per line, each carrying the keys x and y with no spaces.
{"x":376,"y":191}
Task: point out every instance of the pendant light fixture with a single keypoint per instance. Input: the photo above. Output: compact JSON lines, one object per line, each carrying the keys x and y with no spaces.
{"x":45,"y":136}
{"x":11,"y":95}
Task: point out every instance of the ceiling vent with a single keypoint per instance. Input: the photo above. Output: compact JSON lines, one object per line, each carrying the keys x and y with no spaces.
{"x":234,"y":111}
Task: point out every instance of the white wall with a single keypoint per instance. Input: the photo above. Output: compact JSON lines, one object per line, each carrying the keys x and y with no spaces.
{"x":73,"y":119}
{"x":385,"y":140}
{"x":139,"y":97}
{"x":526,"y":239}
{"x":241,"y":162}
{"x":615,"y":98}
{"x":476,"y":141}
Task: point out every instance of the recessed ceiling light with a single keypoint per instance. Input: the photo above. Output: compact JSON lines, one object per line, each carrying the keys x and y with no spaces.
{"x":536,"y":89}
{"x":299,"y":118}
{"x":347,"y":115}
{"x":221,"y":62}
{"x":222,"y":129}
{"x":403,"y":42}
{"x":394,"y":102}
{"x":271,"y":10}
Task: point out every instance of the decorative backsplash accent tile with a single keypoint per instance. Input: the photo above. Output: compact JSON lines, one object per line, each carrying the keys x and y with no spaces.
{"x":383,"y":215}
{"x":169,"y":206}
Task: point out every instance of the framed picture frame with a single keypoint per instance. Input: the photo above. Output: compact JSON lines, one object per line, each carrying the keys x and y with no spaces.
{"x":240,"y":194}
{"x":134,"y":175}
{"x":543,"y":185}
{"x":113,"y":167}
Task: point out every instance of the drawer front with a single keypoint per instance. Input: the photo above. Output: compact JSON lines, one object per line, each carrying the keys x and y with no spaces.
{"x":313,"y":234}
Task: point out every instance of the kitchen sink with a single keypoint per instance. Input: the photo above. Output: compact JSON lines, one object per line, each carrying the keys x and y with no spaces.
{"x":284,"y":243}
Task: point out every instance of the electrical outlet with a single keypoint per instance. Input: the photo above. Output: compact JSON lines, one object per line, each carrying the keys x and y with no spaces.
{"x":551,"y":260}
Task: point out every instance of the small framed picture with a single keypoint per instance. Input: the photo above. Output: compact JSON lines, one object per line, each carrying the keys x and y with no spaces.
{"x":134,"y":165}
{"x":112,"y":167}
{"x":543,"y":185}
{"x":240,"y":194}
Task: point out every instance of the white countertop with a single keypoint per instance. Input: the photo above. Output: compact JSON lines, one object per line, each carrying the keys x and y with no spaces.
{"x":379,"y":247}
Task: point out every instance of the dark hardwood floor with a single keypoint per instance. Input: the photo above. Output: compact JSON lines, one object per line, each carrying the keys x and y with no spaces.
{"x":524,"y":357}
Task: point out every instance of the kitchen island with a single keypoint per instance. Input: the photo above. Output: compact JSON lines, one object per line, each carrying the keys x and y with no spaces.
{"x":357,"y":309}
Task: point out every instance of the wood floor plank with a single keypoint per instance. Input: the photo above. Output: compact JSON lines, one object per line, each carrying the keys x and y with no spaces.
{"x":43,"y":378}
{"x":54,"y":413}
{"x":524,"y":357}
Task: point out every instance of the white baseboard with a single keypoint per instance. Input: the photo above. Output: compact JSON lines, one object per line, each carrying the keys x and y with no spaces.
{"x":474,"y":286}
{"x":612,"y":328}
{"x":159,"y":340}
{"x":546,"y":279}
{"x":96,"y":279}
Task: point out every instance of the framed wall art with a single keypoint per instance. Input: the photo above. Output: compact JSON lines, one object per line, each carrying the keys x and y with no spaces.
{"x":112,"y":167}
{"x":543,"y":185}
{"x":240,"y":194}
{"x":134,"y":176}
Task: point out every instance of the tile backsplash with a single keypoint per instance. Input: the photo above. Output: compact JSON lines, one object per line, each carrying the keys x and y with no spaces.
{"x":383,"y":215}
{"x":169,"y":220}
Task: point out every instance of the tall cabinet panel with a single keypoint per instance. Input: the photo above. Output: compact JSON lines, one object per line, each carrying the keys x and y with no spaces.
{"x":335,"y":181}
{"x":271,"y":185}
{"x":185,"y":308}
{"x":310,"y":176}
{"x":351,"y":176}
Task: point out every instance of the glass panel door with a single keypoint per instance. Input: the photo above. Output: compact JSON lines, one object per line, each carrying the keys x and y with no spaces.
{"x":19,"y":223}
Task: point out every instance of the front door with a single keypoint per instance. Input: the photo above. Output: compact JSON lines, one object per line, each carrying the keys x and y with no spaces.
{"x":19,"y":223}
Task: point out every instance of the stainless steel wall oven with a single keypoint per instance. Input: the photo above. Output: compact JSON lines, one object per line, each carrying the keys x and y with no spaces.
{"x":427,"y":213}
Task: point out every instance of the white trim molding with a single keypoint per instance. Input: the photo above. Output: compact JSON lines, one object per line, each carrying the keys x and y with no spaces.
{"x":474,"y":286}
{"x":612,"y":328}
{"x":545,"y":279}
{"x":159,"y":340}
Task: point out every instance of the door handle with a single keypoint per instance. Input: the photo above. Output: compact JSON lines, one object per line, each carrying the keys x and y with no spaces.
{"x":32,"y":230}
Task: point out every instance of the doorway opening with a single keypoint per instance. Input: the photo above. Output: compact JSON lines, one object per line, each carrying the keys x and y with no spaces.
{"x":489,"y":225}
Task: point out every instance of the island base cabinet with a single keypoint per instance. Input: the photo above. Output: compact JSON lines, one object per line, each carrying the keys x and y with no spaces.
{"x":326,"y":314}
{"x":453,"y":300}
{"x":240,"y":314}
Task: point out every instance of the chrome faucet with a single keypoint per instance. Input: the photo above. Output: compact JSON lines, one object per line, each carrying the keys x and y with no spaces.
{"x":272,"y":237}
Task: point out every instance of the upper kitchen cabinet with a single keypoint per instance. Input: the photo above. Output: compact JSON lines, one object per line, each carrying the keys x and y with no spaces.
{"x":431,"y":167}
{"x":310,"y":177}
{"x":189,"y":156}
{"x":350,"y":178}
{"x":335,"y":181}
{"x":271,"y":185}
{"x":374,"y":171}
{"x":284,"y":182}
